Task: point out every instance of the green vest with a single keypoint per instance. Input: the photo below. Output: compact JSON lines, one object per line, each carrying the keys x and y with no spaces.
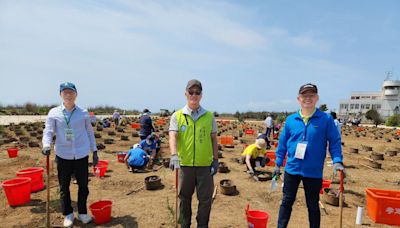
{"x":194,"y":139}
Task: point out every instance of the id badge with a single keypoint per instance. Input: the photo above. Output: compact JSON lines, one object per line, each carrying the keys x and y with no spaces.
{"x":69,"y":134}
{"x":258,"y":165}
{"x":301,"y":150}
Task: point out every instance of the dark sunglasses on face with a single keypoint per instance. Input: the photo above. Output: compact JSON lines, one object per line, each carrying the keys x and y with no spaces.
{"x":195,"y":92}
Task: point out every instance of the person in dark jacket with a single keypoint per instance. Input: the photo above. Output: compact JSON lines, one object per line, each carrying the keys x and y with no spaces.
{"x":146,"y":124}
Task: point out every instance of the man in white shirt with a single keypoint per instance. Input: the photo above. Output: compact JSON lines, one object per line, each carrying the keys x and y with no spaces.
{"x":269,"y":124}
{"x":75,"y":137}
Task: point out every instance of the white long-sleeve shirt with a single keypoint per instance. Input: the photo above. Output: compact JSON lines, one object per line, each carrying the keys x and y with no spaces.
{"x":83,"y":135}
{"x":268,"y":122}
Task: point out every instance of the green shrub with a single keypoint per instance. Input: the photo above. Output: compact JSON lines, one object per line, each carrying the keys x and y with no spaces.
{"x":393,"y":121}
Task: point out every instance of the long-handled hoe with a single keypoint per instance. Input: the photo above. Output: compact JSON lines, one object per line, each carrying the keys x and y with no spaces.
{"x":341,"y":198}
{"x":176,"y":196}
{"x":48,"y":192}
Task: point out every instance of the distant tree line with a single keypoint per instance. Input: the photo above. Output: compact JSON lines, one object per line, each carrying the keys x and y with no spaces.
{"x":30,"y":108}
{"x":278,"y":117}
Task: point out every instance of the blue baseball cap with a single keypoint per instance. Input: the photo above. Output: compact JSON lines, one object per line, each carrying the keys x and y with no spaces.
{"x":67,"y":85}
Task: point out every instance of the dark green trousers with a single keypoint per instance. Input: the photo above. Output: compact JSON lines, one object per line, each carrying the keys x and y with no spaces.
{"x":199,"y":178}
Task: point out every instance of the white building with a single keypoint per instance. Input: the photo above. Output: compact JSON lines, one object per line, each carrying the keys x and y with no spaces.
{"x":386,"y":102}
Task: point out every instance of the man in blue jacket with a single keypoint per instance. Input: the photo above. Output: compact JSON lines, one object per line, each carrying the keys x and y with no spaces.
{"x":304,"y":139}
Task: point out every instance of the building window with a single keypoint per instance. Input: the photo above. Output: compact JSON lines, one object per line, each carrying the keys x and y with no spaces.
{"x":378,"y":106}
{"x":351,"y":106}
{"x":367,"y":106}
{"x":362,"y":106}
{"x":346,"y":106}
{"x":373,"y":97}
{"x":356,"y":106}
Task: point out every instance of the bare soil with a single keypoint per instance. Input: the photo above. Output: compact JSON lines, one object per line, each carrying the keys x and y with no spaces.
{"x":156,"y":208}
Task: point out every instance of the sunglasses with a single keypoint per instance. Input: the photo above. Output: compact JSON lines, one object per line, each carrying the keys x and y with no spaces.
{"x":194,"y":92}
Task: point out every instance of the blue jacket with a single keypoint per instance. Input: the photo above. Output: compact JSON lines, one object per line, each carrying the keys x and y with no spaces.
{"x":319,"y":130}
{"x":137,"y":157}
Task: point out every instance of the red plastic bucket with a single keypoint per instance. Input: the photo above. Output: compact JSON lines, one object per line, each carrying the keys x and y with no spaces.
{"x":103,"y":163}
{"x":102,"y":170}
{"x":121,"y":157}
{"x":256,"y":219}
{"x":12,"y":152}
{"x":101,"y":211}
{"x":17,"y":190}
{"x":325,"y":184}
{"x":36,"y":174}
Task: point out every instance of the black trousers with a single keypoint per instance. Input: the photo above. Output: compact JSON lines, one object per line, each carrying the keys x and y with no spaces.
{"x":65,"y":169}
{"x":311,"y":191}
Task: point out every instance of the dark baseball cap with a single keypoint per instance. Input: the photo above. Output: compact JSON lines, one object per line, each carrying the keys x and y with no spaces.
{"x":67,"y":85}
{"x":308,"y":87}
{"x":194,"y":82}
{"x":146,"y":110}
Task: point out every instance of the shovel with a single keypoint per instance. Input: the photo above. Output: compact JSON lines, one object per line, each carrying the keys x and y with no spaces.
{"x":274,"y":183}
{"x":341,"y":198}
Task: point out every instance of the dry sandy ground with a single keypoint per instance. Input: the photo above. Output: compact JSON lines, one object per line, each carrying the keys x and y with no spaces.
{"x":156,"y":208}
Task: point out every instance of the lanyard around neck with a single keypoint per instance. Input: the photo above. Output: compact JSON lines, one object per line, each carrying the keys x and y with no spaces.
{"x":67,"y":121}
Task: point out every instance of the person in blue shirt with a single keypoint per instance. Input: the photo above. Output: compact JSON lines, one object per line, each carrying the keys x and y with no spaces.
{"x":149,"y":145}
{"x":136,"y":159}
{"x":106,"y":123}
{"x":74,"y":140}
{"x":304,"y":138}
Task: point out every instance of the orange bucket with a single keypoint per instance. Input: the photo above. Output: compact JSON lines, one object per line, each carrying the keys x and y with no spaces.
{"x":272,"y":156}
{"x":256,"y":219}
{"x":226,"y":140}
{"x":135,"y":125}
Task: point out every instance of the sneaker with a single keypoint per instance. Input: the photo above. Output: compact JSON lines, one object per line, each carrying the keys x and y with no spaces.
{"x":69,"y":220}
{"x":84,"y":218}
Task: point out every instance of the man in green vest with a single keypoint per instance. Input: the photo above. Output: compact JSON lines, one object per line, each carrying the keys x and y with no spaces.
{"x":194,"y":149}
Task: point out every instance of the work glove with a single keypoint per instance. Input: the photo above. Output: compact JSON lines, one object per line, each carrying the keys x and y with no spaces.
{"x":214,"y":167}
{"x":338,"y":166}
{"x":276,"y":172}
{"x":250,"y":172}
{"x":174,"y":162}
{"x":95,"y":158}
{"x":46,"y":151}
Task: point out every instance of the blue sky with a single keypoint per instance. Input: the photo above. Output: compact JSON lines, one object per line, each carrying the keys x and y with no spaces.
{"x":249,"y":55}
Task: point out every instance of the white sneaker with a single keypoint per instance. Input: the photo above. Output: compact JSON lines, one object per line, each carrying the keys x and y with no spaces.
{"x":84,"y":218}
{"x":69,"y":220}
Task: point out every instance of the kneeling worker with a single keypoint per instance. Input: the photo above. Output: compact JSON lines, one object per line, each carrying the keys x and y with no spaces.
{"x":254,"y":155}
{"x":137,"y":159}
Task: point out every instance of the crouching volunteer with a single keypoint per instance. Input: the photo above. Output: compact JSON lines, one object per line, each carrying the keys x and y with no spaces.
{"x":136,"y":159}
{"x":149,"y":145}
{"x":194,"y":148}
{"x":75,"y":138}
{"x":254,"y":156}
